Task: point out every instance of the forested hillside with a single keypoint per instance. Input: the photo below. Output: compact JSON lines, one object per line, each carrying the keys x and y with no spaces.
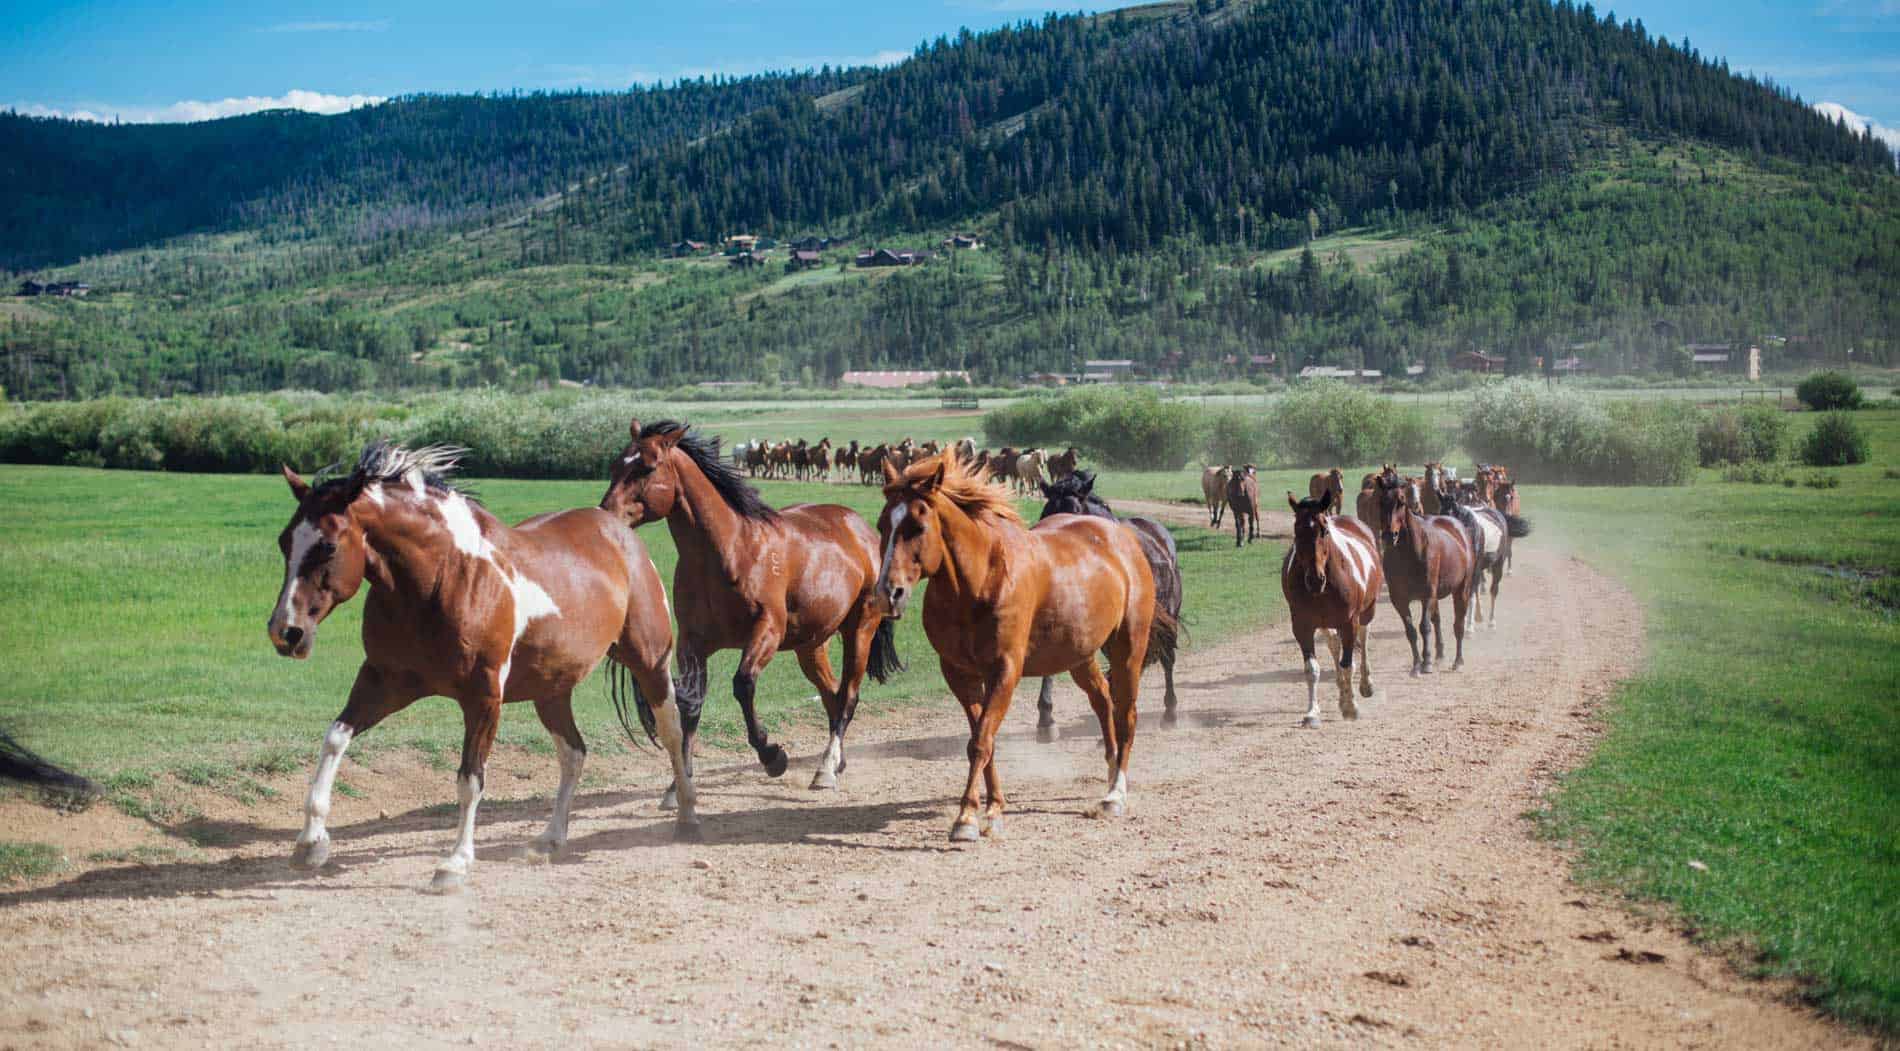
{"x":1364,"y":183}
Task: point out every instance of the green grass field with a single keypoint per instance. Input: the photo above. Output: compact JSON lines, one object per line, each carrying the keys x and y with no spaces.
{"x":137,"y":650}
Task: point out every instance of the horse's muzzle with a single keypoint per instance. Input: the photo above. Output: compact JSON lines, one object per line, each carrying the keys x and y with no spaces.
{"x":291,"y":641}
{"x":890,"y":601}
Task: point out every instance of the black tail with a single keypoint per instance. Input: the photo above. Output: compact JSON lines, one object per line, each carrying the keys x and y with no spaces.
{"x":1519,"y":527}
{"x":1164,"y":637}
{"x":17,"y":763}
{"x":630,"y":702}
{"x":884,"y":660}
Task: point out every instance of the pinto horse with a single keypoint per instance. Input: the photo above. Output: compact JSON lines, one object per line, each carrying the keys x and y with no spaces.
{"x":1243,"y":499}
{"x":1493,"y":531}
{"x":463,"y":606}
{"x":1426,"y":558}
{"x":1331,"y":578}
{"x":1005,"y":601}
{"x":757,"y":580}
{"x":1075,"y":495}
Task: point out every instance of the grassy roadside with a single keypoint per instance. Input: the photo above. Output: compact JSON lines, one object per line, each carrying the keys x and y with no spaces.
{"x":1750,"y":777}
{"x":136,"y":649}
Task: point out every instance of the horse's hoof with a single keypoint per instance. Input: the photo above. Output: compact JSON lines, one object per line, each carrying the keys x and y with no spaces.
{"x":688,"y":832}
{"x":993,"y":828}
{"x":1414,"y":671}
{"x":1113,"y":808}
{"x":964,"y":832}
{"x":775,"y":761}
{"x":1311,"y":722}
{"x":310,"y":856}
{"x":448,"y":881}
{"x":1348,"y":711}
{"x":670,"y":799}
{"x":1365,"y":690}
{"x":538,"y":850}
{"x":1169,"y":720}
{"x":823,"y":780}
{"x":1048,"y":734}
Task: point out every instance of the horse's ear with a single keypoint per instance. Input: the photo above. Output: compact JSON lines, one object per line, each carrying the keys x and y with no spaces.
{"x":672,"y":438}
{"x":1088,"y":482}
{"x":891,"y":477}
{"x":633,"y":429}
{"x":298,"y":487}
{"x":936,"y":477}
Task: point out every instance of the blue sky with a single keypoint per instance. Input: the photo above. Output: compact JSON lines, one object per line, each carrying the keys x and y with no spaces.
{"x":189,"y":59}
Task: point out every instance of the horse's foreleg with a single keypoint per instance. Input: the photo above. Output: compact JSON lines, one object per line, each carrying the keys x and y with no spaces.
{"x":816,"y":665}
{"x":1303,"y":637}
{"x":1411,"y":632}
{"x":1497,"y":578}
{"x":557,"y":715}
{"x":370,"y":702}
{"x":1046,"y":711}
{"x":1459,"y":600}
{"x":1365,"y":661}
{"x":688,"y":693}
{"x":1343,"y":652}
{"x":985,"y":705}
{"x":480,"y":717}
{"x":745,"y":683}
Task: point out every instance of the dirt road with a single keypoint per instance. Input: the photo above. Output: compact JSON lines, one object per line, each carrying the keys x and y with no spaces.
{"x":1364,"y":883}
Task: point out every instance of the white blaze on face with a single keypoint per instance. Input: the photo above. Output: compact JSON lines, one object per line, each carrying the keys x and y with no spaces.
{"x":302,"y":539}
{"x":898,"y":514}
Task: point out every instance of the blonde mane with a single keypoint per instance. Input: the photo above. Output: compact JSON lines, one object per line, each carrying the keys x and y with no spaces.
{"x":965,"y":487}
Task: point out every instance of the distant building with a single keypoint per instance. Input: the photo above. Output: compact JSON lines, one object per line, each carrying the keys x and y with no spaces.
{"x":1477,"y":361}
{"x":54,"y":288}
{"x":1335,"y":372}
{"x":747,"y":260}
{"x":897,"y":380}
{"x":963,"y":241}
{"x":739,"y":244}
{"x":1711,"y":355}
{"x":802,"y":259}
{"x":682,"y":249}
{"x":893,"y":257}
{"x":1107,"y":370}
{"x":1569,"y":366}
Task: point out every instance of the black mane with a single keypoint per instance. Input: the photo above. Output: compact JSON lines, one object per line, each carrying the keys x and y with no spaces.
{"x":1080,"y":487}
{"x":728,"y":483}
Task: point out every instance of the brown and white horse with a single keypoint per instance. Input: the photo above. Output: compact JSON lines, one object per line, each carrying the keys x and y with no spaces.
{"x":1492,"y":532}
{"x":1426,"y":558}
{"x":463,"y":606}
{"x":1331,"y":579}
{"x":757,"y":580}
{"x":1005,"y":602}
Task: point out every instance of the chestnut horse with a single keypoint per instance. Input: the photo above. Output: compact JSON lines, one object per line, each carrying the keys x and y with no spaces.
{"x":1332,"y":486}
{"x":1214,"y":491}
{"x":1075,"y":495}
{"x":1426,"y":558}
{"x":463,"y":606}
{"x":1005,"y":601}
{"x":1243,"y":499}
{"x":757,"y":580}
{"x":1331,"y":578}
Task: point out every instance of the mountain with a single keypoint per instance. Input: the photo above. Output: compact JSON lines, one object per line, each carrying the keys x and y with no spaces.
{"x":1362,"y":182}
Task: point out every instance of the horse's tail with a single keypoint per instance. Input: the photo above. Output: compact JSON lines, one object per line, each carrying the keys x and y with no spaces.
{"x":1519,"y":528}
{"x":884,"y":659}
{"x":18,"y":763}
{"x":1164,"y":637}
{"x":630,"y":702}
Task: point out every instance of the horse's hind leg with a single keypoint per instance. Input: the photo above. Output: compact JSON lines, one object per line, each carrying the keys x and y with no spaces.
{"x":816,"y":665}
{"x":1459,"y":599}
{"x":1088,"y":675}
{"x":688,"y":694}
{"x":1168,"y":700}
{"x":1497,"y":578}
{"x":557,"y":715}
{"x":1046,"y":730}
{"x":1365,"y":660}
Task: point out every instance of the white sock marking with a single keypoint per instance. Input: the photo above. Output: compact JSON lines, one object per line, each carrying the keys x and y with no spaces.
{"x":316,"y":807}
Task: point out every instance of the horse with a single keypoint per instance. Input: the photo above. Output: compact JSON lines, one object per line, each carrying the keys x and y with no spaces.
{"x":1002,"y":466}
{"x":756,"y":457}
{"x":966,"y":448}
{"x":844,"y":461}
{"x":1332,"y":486}
{"x":463,"y":606}
{"x":869,"y":463}
{"x":1495,"y":530}
{"x":21,"y":765}
{"x":1029,"y":471}
{"x":1331,"y":578}
{"x":1367,"y":506}
{"x":1434,"y":483}
{"x":1243,"y":496}
{"x":1214,"y":492}
{"x":757,"y":580}
{"x":1005,"y":601}
{"x":1062,"y":464}
{"x":1426,"y":558}
{"x":1075,"y":495}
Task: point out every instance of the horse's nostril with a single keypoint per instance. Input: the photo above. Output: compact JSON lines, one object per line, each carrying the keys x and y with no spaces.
{"x":292,"y":636}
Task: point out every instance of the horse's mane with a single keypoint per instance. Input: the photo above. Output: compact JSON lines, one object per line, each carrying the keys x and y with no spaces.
{"x":731,"y":486}
{"x":971,"y":492}
{"x":391,"y":464}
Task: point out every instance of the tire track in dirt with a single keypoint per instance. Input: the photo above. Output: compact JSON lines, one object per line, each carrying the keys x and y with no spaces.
{"x":1365,"y":883}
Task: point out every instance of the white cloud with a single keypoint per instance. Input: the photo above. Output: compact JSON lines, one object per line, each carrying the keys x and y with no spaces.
{"x":375,"y":25}
{"x":187,"y":110}
{"x":1836,"y":112}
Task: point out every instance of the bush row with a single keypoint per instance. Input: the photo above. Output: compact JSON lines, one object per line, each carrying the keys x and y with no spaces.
{"x":1562,"y":436}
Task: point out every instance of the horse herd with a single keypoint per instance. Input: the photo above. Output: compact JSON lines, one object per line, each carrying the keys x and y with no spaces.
{"x":467,"y":607}
{"x":798,"y":460}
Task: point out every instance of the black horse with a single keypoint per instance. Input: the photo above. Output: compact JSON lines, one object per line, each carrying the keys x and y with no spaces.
{"x":1074,"y":494}
{"x":19,"y":764}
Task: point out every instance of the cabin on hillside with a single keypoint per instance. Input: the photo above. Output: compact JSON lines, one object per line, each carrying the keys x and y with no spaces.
{"x":1108,"y":370}
{"x":1711,"y":355}
{"x":740,"y":244}
{"x":964,"y":241}
{"x":1477,"y":361}
{"x":76,"y":289}
{"x":682,"y":249}
{"x":892,"y":257}
{"x":746,"y":260}
{"x":803,"y":259}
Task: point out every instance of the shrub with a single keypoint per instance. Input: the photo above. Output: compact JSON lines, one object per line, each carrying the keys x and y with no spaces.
{"x":1120,"y":426}
{"x":1325,"y":423}
{"x":1755,"y":473}
{"x":1822,"y":480}
{"x":1826,"y":391}
{"x":1835,"y":441}
{"x":1237,"y":436}
{"x":1741,"y":435}
{"x":1564,"y":436}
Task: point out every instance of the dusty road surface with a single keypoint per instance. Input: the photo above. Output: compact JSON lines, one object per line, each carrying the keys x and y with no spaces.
{"x":1364,"y":883}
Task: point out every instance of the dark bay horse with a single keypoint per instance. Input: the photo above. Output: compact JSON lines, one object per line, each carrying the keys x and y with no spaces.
{"x":1005,"y":601}
{"x":1331,"y":578}
{"x":1074,"y":494}
{"x":1426,"y":558}
{"x":757,"y":580}
{"x":463,"y":606}
{"x":1243,"y":500}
